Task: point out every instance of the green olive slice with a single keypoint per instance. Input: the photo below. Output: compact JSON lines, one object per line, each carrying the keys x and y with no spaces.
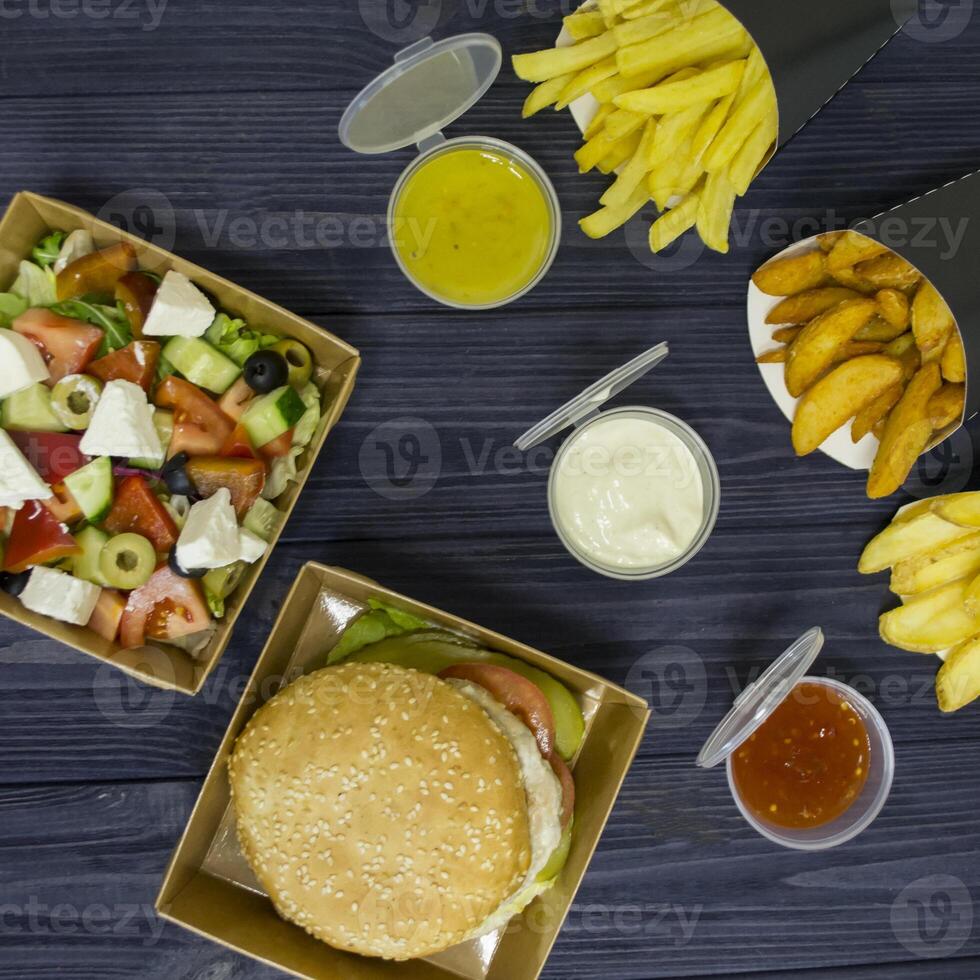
{"x":73,"y":399}
{"x":298,"y":359}
{"x":127,"y":561}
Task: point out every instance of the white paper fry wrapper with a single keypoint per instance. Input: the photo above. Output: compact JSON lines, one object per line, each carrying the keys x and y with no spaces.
{"x":838,"y":446}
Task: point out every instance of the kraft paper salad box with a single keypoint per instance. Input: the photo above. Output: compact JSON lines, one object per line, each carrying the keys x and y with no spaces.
{"x":28,"y":219}
{"x":939,"y":234}
{"x":210,"y":889}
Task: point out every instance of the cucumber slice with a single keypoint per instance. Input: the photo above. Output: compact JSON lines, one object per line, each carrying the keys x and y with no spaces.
{"x":163,"y":422}
{"x":30,"y":410}
{"x":91,"y":486}
{"x":92,"y":541}
{"x":268,"y":417}
{"x":262,"y":519}
{"x":201,"y":363}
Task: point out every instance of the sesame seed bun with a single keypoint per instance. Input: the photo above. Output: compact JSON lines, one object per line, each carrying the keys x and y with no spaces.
{"x":382,"y":809}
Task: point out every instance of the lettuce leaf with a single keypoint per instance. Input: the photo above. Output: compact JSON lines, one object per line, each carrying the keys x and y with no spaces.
{"x":35,"y":284}
{"x":235,"y":340}
{"x":378,"y":623}
{"x":11,"y":307}
{"x":46,"y":251}
{"x":306,"y":426}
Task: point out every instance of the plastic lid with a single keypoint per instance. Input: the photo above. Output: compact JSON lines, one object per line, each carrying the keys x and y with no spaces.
{"x":595,"y":395}
{"x":758,"y":701}
{"x":430,"y":85}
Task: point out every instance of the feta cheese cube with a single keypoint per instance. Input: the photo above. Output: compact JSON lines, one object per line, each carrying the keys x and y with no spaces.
{"x":19,"y":481}
{"x":21,"y":363}
{"x":209,"y":538}
{"x":179,"y":309}
{"x":251,"y":546}
{"x":122,"y":424}
{"x":60,"y":595}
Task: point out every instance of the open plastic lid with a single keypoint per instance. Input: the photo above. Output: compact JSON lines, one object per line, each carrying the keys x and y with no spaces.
{"x":430,"y":85}
{"x":584,"y":404}
{"x":758,"y":701}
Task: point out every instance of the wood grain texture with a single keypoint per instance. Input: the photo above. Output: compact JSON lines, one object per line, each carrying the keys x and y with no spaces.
{"x":229,"y":111}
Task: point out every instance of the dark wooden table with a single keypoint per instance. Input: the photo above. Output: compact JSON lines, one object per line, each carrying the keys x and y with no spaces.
{"x":222,"y":116}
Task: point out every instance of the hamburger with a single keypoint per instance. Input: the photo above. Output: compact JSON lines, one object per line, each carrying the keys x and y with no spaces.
{"x":395,"y":813}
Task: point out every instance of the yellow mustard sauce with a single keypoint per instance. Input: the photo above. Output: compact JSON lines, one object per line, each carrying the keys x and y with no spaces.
{"x":472,"y":226}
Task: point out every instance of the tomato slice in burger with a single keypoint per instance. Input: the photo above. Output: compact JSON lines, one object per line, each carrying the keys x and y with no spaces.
{"x":567,"y":781}
{"x":36,"y":538}
{"x":517,"y":694}
{"x":67,"y":345}
{"x":136,"y":362}
{"x":137,"y":508}
{"x":167,"y":607}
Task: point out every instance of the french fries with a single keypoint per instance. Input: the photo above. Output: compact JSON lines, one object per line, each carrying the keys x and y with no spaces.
{"x":838,"y":396}
{"x":851,"y":297}
{"x":935,"y":571}
{"x":686,"y":74}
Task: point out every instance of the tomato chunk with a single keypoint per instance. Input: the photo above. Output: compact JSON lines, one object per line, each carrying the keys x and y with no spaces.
{"x":245,"y":478}
{"x":137,"y":508}
{"x":166,"y":608}
{"x":97,"y":272}
{"x":279,"y":446}
{"x":67,"y":345}
{"x":238,"y":444}
{"x":53,"y":454}
{"x":36,"y":538}
{"x":136,"y":291}
{"x":107,"y":615}
{"x":517,"y":694}
{"x":191,"y":405}
{"x":136,"y":362}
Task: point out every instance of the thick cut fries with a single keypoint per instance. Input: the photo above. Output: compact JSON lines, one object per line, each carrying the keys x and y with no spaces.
{"x":715,"y":211}
{"x":958,"y":680}
{"x":715,"y":83}
{"x":600,"y":223}
{"x":539,"y":66}
{"x":545,"y":94}
{"x":747,"y":160}
{"x":906,"y":435}
{"x":916,"y":531}
{"x":937,"y":567}
{"x":673,"y":223}
{"x":932,"y":621}
{"x":838,"y":396}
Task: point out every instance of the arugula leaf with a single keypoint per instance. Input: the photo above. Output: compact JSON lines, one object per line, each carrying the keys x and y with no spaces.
{"x":47,"y":249}
{"x":112,"y":320}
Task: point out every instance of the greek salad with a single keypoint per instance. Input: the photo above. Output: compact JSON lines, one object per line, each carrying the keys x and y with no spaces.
{"x":144,"y":438}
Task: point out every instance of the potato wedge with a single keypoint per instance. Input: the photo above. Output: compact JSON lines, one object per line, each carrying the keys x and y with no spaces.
{"x":906,"y":434}
{"x":851,"y":248}
{"x":932,"y":320}
{"x":875,"y":411}
{"x":775,"y":356}
{"x":932,"y":621}
{"x":820,"y":341}
{"x":962,"y":509}
{"x":848,"y":278}
{"x":915,"y":531}
{"x":804,"y":306}
{"x":958,"y":680}
{"x":961,"y":559}
{"x":888,"y":271}
{"x":786,"y":335}
{"x":953,"y":361}
{"x":828,"y":240}
{"x":838,"y":396}
{"x":880,"y":330}
{"x":894,"y":308}
{"x":793,"y":274}
{"x":946,"y":405}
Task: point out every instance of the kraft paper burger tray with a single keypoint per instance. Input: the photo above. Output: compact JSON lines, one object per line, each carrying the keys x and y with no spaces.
{"x":210,"y":890}
{"x":27,"y":219}
{"x":938,"y":233}
{"x":812,"y":51}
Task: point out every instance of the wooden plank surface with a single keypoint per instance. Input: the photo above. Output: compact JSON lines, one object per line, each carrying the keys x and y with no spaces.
{"x":223,"y":118}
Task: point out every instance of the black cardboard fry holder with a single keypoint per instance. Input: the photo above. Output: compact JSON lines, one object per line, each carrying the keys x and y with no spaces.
{"x":937,"y":232}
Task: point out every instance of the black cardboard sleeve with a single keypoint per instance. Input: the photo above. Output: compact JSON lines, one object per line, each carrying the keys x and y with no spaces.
{"x":814,"y":49}
{"x":939,"y":233}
